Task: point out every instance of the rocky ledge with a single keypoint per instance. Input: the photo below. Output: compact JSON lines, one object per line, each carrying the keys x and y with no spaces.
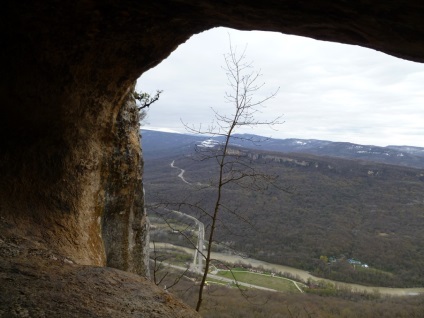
{"x":38,"y":282}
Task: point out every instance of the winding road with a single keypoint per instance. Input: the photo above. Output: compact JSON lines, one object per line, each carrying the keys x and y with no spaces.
{"x":181,"y":175}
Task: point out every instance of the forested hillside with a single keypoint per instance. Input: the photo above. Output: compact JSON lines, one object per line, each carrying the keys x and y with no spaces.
{"x":323,"y":212}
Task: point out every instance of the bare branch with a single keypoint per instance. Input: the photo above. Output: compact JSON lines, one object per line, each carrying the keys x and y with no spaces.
{"x":232,"y":170}
{"x":233,"y":164}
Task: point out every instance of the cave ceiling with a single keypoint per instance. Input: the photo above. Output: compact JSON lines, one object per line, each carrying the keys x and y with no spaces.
{"x":139,"y":34}
{"x":53,"y":48}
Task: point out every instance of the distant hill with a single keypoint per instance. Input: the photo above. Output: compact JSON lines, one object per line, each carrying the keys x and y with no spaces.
{"x":158,"y":144}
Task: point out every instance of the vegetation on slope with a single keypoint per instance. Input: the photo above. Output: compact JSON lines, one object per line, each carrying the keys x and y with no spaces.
{"x":337,"y":210}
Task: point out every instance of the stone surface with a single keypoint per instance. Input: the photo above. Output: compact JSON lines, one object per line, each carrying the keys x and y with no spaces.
{"x":67,"y":137}
{"x":39,"y":282}
{"x":124,"y":222}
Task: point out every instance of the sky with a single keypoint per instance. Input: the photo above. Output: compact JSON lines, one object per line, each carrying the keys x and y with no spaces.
{"x":326,"y":90}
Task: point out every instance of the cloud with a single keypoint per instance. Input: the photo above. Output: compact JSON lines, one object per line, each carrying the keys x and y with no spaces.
{"x":326,"y":90}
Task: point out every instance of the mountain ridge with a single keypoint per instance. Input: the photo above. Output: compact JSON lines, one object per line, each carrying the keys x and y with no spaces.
{"x":157,"y":144}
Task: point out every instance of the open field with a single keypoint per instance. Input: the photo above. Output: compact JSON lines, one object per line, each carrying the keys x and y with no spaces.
{"x":222,"y":300}
{"x":278,"y":283}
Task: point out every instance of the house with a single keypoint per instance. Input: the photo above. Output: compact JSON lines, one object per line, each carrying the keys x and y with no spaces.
{"x":354,"y":261}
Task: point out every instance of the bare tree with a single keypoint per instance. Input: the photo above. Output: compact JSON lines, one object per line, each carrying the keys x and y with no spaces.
{"x":233,"y":165}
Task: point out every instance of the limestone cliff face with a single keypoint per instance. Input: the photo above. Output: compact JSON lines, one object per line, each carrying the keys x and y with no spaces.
{"x":80,"y":174}
{"x":124,"y":223}
{"x":69,"y":165}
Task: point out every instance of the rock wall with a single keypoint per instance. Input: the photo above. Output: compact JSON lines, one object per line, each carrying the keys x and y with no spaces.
{"x":125,"y":225}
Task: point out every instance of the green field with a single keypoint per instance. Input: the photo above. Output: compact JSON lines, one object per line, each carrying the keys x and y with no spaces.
{"x":277,"y":283}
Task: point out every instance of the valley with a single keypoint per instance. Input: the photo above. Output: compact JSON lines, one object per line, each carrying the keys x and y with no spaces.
{"x":329,"y":208}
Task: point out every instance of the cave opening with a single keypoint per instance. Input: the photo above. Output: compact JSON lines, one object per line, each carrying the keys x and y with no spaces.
{"x":328,"y":91}
{"x":336,"y":92}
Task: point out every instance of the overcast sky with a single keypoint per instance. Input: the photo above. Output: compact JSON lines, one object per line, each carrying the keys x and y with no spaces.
{"x":327,"y":90}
